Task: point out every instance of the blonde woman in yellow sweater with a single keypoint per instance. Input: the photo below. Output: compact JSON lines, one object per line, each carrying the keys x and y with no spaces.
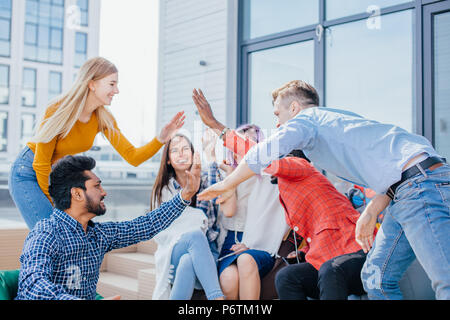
{"x":70,"y":126}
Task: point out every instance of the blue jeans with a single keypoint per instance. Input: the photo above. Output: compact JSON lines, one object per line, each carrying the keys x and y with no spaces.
{"x":194,"y":266}
{"x":25,"y":191}
{"x":416,"y":225}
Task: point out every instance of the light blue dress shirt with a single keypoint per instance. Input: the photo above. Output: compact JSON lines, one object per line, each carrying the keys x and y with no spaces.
{"x":365,"y":152}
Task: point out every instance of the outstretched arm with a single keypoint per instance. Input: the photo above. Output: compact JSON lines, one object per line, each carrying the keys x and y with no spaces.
{"x":124,"y":234}
{"x":239,"y":175}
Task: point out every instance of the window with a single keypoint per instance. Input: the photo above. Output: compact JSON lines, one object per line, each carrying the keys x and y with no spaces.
{"x":341,"y":8}
{"x":263,"y":17}
{"x":3,"y":131}
{"x":54,"y":84}
{"x":80,"y":49}
{"x":370,"y":71}
{"x":27,"y":128}
{"x":5,"y":27}
{"x":29,"y":88}
{"x":44,"y":31}
{"x":272,"y":68}
{"x":442,"y":83}
{"x":4,"y":84}
{"x":83,"y":5}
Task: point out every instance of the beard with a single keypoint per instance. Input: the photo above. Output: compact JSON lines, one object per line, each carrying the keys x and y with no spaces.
{"x":96,"y":209}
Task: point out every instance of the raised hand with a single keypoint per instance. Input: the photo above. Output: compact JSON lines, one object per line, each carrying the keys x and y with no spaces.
{"x":193,"y":179}
{"x":209,"y":145}
{"x":205,"y":111}
{"x":172,"y":127}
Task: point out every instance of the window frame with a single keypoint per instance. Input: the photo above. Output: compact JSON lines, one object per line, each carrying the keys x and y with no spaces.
{"x":423,"y":115}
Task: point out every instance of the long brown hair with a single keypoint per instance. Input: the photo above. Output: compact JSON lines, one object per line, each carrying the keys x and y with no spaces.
{"x":165,"y":173}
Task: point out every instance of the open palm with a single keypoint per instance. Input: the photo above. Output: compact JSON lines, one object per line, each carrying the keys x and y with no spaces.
{"x":172,"y":127}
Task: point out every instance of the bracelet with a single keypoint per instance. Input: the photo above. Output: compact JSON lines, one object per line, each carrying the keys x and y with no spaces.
{"x":224,"y":131}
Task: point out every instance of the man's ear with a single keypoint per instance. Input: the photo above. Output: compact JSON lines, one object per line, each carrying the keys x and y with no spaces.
{"x":295,"y":108}
{"x":77,"y":194}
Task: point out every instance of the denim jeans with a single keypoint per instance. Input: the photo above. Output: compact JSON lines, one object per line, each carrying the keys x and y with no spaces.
{"x":194,"y":267}
{"x":416,"y":224}
{"x":25,"y":191}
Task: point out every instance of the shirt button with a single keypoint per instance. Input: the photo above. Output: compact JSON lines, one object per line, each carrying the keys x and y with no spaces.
{"x":309,"y":239}
{"x":295,"y":228}
{"x":84,"y":258}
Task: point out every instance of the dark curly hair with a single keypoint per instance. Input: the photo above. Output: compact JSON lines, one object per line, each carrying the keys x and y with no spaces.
{"x":66,"y":174}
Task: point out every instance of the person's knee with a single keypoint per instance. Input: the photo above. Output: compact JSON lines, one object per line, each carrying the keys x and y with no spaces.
{"x":246,"y":265}
{"x":371,"y":280}
{"x":195,"y":237}
{"x":229,"y":279}
{"x":185,"y":263}
{"x":329,"y":271}
{"x":229,"y":276}
{"x":282,"y":278}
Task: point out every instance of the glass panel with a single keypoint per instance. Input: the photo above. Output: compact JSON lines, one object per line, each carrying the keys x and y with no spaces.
{"x":80,"y":42}
{"x":4,"y":48}
{"x":269,"y":70}
{"x":341,"y":8}
{"x":263,"y":17}
{"x":30,"y":52}
{"x":5,"y":8}
{"x":43,"y":36}
{"x":370,"y":71}
{"x":29,"y":88}
{"x":4,"y":84}
{"x":56,"y":38}
{"x":27,"y":127}
{"x":5,"y":29}
{"x":54,"y":85}
{"x":3,"y":131}
{"x":45,"y":18}
{"x":30,"y":34}
{"x":442,"y":83}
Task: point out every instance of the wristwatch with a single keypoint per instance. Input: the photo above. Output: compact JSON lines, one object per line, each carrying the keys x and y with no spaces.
{"x":224,"y":131}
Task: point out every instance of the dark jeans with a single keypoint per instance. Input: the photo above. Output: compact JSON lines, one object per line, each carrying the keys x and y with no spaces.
{"x":336,"y":280}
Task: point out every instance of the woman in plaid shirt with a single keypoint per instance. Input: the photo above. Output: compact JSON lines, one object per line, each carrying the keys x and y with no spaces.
{"x":187,"y":250}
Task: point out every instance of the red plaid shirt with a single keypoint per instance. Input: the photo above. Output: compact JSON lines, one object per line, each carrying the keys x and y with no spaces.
{"x":314,"y":209}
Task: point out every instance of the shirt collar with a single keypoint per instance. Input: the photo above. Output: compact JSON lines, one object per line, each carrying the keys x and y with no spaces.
{"x":176,"y":184}
{"x":66,"y":219}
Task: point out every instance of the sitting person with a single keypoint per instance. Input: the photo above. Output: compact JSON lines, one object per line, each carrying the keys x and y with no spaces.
{"x":248,"y":255}
{"x":62,"y":255}
{"x":187,"y":251}
{"x":316,"y":211}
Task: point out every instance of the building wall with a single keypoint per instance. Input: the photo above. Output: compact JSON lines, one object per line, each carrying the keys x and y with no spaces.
{"x":194,"y":32}
{"x":17,"y":63}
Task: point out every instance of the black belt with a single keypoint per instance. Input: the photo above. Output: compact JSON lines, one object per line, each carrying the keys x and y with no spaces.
{"x":411,"y":172}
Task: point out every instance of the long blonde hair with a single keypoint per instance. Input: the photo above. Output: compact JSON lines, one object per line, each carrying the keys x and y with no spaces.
{"x":71,"y":104}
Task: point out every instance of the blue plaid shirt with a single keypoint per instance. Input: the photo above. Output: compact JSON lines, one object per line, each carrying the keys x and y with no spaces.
{"x":60,"y":261}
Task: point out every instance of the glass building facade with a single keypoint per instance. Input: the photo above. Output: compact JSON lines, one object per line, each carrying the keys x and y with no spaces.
{"x":388,"y":60}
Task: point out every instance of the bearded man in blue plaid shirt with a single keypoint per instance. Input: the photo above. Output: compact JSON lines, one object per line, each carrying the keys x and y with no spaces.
{"x":62,"y":255}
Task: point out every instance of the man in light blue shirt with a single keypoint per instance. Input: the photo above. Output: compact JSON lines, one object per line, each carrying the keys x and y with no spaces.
{"x":371,"y":154}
